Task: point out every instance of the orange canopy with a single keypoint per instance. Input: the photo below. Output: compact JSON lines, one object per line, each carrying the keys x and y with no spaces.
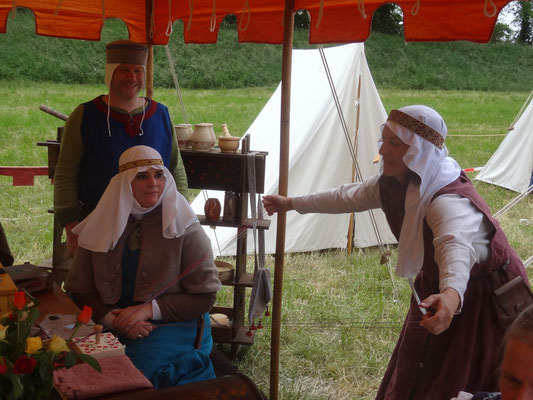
{"x":260,"y":21}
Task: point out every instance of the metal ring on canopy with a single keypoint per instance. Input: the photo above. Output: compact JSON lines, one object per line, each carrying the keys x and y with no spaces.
{"x":245,"y":9}
{"x":486,"y":11}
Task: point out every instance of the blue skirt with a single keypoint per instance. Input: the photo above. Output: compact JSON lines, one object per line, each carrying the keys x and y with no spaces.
{"x":167,"y":356}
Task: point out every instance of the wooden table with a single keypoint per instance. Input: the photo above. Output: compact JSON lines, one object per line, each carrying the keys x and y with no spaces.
{"x":55,"y":301}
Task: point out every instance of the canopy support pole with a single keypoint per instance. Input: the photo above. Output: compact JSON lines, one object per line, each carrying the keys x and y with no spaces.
{"x":149,"y":43}
{"x":286,"y":66}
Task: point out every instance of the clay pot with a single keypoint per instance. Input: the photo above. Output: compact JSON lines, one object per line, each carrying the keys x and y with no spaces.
{"x":228,"y":144}
{"x":183,"y":134}
{"x":203,"y":137}
{"x":212,"y":210}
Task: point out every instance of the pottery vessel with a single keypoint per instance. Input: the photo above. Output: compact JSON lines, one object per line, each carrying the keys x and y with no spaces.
{"x":203,"y":137}
{"x":183,"y":134}
{"x":228,"y":144}
{"x":212,"y":210}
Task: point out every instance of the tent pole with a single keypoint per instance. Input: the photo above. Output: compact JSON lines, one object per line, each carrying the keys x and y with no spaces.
{"x":149,"y":43}
{"x":288,"y":31}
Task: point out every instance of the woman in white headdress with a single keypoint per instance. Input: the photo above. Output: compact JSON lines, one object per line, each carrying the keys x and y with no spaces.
{"x":145,"y":266}
{"x":448,"y":245}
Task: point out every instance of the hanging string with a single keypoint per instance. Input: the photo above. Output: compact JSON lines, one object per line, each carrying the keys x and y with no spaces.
{"x":415,"y":8}
{"x":245,"y":9}
{"x":57,"y":9}
{"x":169,"y":24}
{"x":191,"y":8}
{"x":176,"y":85}
{"x":152,"y":20}
{"x":494,"y":9}
{"x":103,"y":10}
{"x":13,"y":9}
{"x":213,"y":17}
{"x":361,"y":7}
{"x":320,"y":14}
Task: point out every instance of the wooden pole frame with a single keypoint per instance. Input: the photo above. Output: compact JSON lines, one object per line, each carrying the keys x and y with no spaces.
{"x":149,"y":82}
{"x":286,"y":67}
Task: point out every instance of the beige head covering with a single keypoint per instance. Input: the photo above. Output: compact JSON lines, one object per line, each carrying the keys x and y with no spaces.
{"x":102,"y":229}
{"x":123,"y":52}
{"x":424,"y":130}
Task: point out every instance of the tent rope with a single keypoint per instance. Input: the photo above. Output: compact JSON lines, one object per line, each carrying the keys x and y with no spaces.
{"x":520,"y":112}
{"x":177,"y":85}
{"x":213,"y":24}
{"x":486,"y":11}
{"x":373,"y":220}
{"x":103,"y":11}
{"x":513,"y":202}
{"x":245,"y":10}
{"x":169,"y":23}
{"x":14,"y":9}
{"x":320,"y":14}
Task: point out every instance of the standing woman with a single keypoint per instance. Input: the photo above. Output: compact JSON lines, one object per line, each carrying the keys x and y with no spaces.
{"x":448,"y":244}
{"x":146,"y":267}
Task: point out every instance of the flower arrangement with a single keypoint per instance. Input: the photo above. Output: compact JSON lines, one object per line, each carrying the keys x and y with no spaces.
{"x":26,"y":362}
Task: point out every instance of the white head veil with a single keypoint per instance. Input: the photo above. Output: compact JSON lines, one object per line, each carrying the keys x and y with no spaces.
{"x":102,"y":229}
{"x":424,"y":130}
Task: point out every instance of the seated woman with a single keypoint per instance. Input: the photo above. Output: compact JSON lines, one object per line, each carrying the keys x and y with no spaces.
{"x":145,"y":266}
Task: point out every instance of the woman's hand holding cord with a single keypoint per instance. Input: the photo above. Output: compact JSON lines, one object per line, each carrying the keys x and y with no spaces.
{"x":445,"y":305}
{"x":133,"y":321}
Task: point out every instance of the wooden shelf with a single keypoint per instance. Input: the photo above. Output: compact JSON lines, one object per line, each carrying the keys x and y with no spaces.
{"x":222,"y":334}
{"x":245,"y":223}
{"x":245,"y":280}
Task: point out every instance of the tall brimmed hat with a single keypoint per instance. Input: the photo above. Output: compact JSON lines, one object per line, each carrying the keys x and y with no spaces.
{"x":123,"y":52}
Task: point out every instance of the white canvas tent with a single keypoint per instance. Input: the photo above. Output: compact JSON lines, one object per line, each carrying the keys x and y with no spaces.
{"x":511,"y":165}
{"x":319,"y":156}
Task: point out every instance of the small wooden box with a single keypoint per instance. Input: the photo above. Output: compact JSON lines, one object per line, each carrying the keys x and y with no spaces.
{"x":7,"y":290}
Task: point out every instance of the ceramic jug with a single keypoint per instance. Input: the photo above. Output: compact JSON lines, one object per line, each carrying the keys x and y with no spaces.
{"x":212,"y":210}
{"x":183,"y":134}
{"x":203,"y":137}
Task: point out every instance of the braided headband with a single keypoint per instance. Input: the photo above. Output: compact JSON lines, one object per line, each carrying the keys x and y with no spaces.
{"x":417,"y":127}
{"x":139,"y":163}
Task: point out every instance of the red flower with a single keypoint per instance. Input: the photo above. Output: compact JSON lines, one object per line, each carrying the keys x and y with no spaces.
{"x":19,"y":300}
{"x":3,"y":366}
{"x":85,"y":315}
{"x":12,"y":316}
{"x":24,"y":365}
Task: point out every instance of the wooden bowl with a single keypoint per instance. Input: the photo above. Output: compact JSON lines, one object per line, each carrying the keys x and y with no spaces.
{"x":225,"y":270}
{"x":228,"y":144}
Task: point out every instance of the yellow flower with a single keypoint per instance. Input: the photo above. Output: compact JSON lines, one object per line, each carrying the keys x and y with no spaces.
{"x":3,"y":330}
{"x":58,"y":345}
{"x":33,"y":345}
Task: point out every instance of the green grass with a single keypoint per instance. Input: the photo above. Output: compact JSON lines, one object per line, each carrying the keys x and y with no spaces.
{"x":340,"y":318}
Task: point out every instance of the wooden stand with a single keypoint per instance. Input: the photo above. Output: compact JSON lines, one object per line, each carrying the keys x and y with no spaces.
{"x":228,"y":172}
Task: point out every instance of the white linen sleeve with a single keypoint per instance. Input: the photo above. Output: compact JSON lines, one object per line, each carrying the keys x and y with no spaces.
{"x":352,"y":197}
{"x":156,"y":311}
{"x":460,"y":238}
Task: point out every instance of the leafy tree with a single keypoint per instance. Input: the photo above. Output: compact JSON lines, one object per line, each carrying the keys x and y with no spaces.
{"x":502,"y":33}
{"x":388,"y":19}
{"x":523,"y":19}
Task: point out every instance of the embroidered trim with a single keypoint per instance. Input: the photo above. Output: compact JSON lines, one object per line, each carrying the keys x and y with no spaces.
{"x":417,"y":127}
{"x":139,"y":163}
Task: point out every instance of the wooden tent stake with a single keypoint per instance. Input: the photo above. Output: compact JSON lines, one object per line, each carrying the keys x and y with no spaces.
{"x":349,"y":245}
